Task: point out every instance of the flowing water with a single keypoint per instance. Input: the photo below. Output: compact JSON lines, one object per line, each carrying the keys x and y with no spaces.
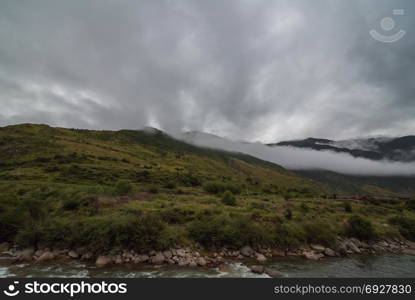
{"x":359,"y":266}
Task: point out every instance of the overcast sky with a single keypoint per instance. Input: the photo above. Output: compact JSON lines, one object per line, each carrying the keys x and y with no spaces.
{"x":248,"y":69}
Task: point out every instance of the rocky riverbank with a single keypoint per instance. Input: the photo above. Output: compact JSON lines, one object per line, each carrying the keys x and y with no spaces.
{"x":254,"y":257}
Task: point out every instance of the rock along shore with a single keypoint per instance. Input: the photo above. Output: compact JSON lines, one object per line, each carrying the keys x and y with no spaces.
{"x":186,"y":257}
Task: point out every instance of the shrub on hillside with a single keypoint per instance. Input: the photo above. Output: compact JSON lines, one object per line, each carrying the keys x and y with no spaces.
{"x":405,"y":225}
{"x":209,"y":230}
{"x":347,"y":206}
{"x":288,"y":214}
{"x":410,"y":204}
{"x":289,"y":235}
{"x":188,"y":179}
{"x":243,"y":231}
{"x":220,"y":187}
{"x":10,"y":221}
{"x":123,"y":187}
{"x":153,"y":189}
{"x":104,"y":233}
{"x":360,"y":228}
{"x":304,"y":207}
{"x":170,"y":185}
{"x":71,"y":204}
{"x":220,"y":230}
{"x":177,"y":215}
{"x":319,"y":233}
{"x":228,"y":198}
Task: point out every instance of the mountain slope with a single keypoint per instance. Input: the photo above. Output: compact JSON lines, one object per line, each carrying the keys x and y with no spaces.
{"x":143,"y":190}
{"x":148,"y":157}
{"x":380,"y":186}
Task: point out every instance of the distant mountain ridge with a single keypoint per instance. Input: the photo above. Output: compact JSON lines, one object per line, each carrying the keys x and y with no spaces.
{"x":393,"y":149}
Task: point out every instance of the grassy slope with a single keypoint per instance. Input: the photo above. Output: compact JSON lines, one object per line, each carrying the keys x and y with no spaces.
{"x":381,"y":186}
{"x":59,"y":186}
{"x":39,"y":154}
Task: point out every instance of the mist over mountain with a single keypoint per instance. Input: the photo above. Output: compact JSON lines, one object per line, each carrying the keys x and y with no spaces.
{"x":378,"y":148}
{"x":357,"y":169}
{"x":306,"y":158}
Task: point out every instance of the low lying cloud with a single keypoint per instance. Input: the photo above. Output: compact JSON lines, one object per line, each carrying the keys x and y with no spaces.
{"x":304,"y":159}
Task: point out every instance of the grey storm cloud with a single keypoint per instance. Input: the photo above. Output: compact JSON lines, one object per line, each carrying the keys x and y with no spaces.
{"x":246,"y":69}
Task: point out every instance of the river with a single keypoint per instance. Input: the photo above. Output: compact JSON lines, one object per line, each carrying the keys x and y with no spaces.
{"x":358,"y":266}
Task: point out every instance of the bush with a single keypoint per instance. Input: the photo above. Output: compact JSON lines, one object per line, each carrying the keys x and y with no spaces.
{"x":289,"y":235}
{"x":360,"y":228}
{"x":347,"y":206}
{"x":28,"y":235}
{"x":242,"y":231}
{"x":219,"y":230}
{"x":228,"y":198}
{"x":70,"y":204}
{"x":177,"y":215}
{"x":170,"y":185}
{"x":405,"y":225}
{"x":288,"y":214}
{"x":104,"y":233}
{"x":304,"y":207}
{"x":188,"y":179}
{"x":219,"y":187}
{"x":10,"y":221}
{"x":410,"y":204}
{"x":320,"y":233}
{"x":209,"y":231}
{"x":123,"y":187}
{"x":153,"y":190}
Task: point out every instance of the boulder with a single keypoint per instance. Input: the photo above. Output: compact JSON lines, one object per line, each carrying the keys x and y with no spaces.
{"x":182,"y":263}
{"x":247,"y":251}
{"x":260,"y":257}
{"x":46,"y":256}
{"x":201,"y":261}
{"x":294,"y":253}
{"x":357,"y":242}
{"x":7,"y":261}
{"x":342,"y":249}
{"x":73,"y":254}
{"x":278,"y":252}
{"x":192,"y":264}
{"x":317,"y":248}
{"x":167,"y":254}
{"x":312,"y":255}
{"x":144,"y":258}
{"x":272,"y":273}
{"x":351,"y":246}
{"x":103,"y":261}
{"x":329,"y":252}
{"x":410,"y":244}
{"x":4,"y":247}
{"x":157,"y":259}
{"x":257,"y":269}
{"x":118,"y":259}
{"x":181,"y":252}
{"x":26,"y":254}
{"x":409,"y":251}
{"x":87,"y":255}
{"x":39,"y":253}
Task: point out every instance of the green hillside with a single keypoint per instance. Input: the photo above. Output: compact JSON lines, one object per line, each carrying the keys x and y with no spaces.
{"x":377,"y":186}
{"x":145,"y":190}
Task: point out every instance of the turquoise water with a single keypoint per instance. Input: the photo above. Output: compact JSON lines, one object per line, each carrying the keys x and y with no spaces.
{"x":359,"y":266}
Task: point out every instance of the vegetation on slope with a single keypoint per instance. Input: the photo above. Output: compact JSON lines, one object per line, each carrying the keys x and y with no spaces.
{"x":145,"y":190}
